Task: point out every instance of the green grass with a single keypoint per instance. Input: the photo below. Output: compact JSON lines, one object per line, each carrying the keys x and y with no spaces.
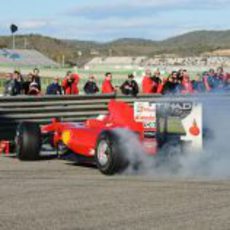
{"x":175,"y":126}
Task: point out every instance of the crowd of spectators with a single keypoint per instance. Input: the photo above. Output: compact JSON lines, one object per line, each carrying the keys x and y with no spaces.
{"x":177,"y":82}
{"x":16,"y":84}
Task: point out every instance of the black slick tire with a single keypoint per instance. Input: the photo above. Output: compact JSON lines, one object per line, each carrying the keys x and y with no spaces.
{"x":28,"y":141}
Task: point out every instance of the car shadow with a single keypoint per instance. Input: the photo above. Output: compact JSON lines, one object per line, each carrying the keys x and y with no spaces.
{"x":81,"y":164}
{"x":76,"y":160}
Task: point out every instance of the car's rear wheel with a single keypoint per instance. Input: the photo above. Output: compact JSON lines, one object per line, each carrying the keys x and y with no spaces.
{"x":110,"y":155}
{"x":28,"y":141}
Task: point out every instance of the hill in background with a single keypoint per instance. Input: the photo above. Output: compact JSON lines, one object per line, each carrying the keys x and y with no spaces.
{"x":75,"y":51}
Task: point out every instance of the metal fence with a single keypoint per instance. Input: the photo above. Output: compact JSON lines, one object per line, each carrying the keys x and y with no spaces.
{"x":14,"y":110}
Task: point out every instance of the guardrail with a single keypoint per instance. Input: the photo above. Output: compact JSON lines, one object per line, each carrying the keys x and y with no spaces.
{"x":41,"y":109}
{"x":69,"y":108}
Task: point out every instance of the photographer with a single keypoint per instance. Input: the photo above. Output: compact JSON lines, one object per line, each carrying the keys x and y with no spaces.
{"x":69,"y":84}
{"x":14,"y":84}
{"x":130,"y":86}
{"x":34,"y":89}
{"x":90,"y":86}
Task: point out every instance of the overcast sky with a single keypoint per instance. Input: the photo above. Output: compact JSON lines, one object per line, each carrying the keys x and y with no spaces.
{"x":105,"y":20}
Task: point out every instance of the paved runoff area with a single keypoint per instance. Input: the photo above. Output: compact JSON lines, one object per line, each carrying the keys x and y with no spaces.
{"x":56,"y":194}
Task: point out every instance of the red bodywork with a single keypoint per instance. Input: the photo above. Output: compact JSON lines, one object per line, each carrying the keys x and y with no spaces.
{"x":81,"y":137}
{"x":4,"y":147}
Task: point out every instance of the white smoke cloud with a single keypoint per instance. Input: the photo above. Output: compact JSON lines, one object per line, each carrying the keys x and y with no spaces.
{"x":213,"y":162}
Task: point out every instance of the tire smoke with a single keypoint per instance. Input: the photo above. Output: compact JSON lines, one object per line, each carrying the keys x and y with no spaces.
{"x":213,"y":162}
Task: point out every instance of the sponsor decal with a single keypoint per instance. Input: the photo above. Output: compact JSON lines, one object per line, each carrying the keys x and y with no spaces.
{"x":145,"y":112}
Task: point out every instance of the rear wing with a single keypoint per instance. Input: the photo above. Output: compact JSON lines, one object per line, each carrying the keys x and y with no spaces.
{"x":156,"y":118}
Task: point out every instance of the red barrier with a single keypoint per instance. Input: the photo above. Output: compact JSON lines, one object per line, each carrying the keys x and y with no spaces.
{"x":4,"y":147}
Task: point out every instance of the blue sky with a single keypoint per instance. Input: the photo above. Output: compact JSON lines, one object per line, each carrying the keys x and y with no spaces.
{"x":103,"y":20}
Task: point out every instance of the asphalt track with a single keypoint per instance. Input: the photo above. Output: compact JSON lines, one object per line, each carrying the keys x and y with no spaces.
{"x":55,"y":194}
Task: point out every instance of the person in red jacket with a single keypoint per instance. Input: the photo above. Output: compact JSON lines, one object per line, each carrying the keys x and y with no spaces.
{"x":107,"y":86}
{"x":70,"y":82}
{"x":147,"y":83}
{"x":186,"y":85}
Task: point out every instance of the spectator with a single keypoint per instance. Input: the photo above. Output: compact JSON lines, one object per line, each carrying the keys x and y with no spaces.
{"x":70,"y":83}
{"x":34,"y":88}
{"x":205,"y":81}
{"x":37,"y":78}
{"x":26,"y":84}
{"x":156,"y":81}
{"x":213,"y":82}
{"x":18,"y":83}
{"x":130,"y":86}
{"x":177,"y":81}
{"x":220,"y":72}
{"x":9,"y":85}
{"x":169,"y":86}
{"x":107,"y":86}
{"x":157,"y":76}
{"x":54,"y":88}
{"x":222,"y":75}
{"x":180,"y":75}
{"x":186,"y":85}
{"x":197,"y":84}
{"x":227,"y":85}
{"x":147,"y":83}
{"x":175,"y":77}
{"x":90,"y":86}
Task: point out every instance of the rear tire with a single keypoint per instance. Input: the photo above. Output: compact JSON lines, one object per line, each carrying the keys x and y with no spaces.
{"x":28,"y":141}
{"x":110,"y":156}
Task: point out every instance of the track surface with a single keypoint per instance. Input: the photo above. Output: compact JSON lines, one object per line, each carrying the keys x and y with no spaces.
{"x":58,"y":195}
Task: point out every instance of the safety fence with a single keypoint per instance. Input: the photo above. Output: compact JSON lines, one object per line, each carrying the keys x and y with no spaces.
{"x":14,"y":110}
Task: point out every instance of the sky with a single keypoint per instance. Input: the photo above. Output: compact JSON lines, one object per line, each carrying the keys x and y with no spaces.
{"x":106,"y":20}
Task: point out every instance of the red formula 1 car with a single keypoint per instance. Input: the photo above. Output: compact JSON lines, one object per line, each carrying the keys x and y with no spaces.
{"x":99,"y":139}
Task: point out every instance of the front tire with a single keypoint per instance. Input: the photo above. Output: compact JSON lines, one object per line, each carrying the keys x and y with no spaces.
{"x":28,"y":141}
{"x":110,"y":156}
